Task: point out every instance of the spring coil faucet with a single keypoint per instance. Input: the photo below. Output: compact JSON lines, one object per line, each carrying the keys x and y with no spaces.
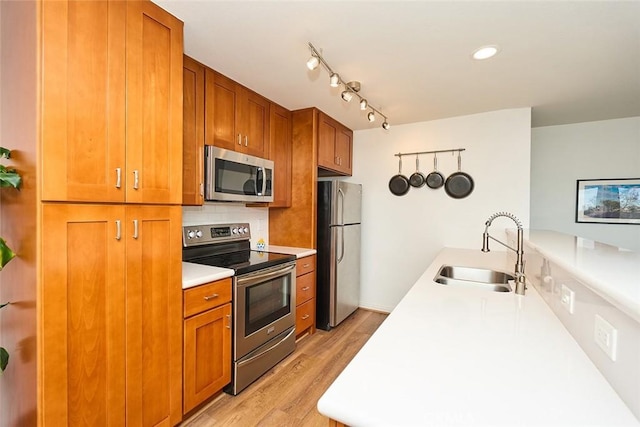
{"x":519,"y":268}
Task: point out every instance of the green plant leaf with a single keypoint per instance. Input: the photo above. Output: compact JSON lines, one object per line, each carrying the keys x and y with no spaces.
{"x":10,"y":179}
{"x":5,"y":153}
{"x":6,"y":254}
{"x":4,"y":359}
{"x":5,"y":304}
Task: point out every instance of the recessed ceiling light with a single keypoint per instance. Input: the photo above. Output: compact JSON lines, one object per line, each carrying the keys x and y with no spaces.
{"x":485,"y":52}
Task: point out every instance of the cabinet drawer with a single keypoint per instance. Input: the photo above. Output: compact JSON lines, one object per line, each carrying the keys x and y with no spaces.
{"x":204,"y":297}
{"x":305,"y":265}
{"x":305,"y":315}
{"x":305,"y":287}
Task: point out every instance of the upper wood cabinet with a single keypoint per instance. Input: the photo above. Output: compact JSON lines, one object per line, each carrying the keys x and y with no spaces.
{"x":111,"y":103}
{"x":111,"y":315}
{"x":236,"y":118}
{"x":193,"y":132}
{"x":280,"y":153}
{"x":335,"y":146}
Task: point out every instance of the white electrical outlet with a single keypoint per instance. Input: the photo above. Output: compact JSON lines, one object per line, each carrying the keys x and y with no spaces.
{"x":567,"y":298}
{"x":606,"y":336}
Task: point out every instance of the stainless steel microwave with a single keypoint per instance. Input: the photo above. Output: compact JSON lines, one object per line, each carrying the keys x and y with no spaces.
{"x":236,"y":177}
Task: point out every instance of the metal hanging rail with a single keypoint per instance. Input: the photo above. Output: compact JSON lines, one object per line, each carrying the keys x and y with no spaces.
{"x":430,"y":152}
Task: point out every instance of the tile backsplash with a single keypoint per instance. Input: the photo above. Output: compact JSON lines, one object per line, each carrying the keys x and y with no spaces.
{"x":220,"y":213}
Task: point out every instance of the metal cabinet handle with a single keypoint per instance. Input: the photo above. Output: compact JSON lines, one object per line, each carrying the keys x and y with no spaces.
{"x":228,"y":316}
{"x":118,"y":177}
{"x":136,"y":179}
{"x":202,"y":189}
{"x":135,"y":228}
{"x":306,"y":288}
{"x":305,"y":317}
{"x":306,"y":265}
{"x":210,"y":297}
{"x":246,"y":141}
{"x":118,"y":230}
{"x":239,"y":139}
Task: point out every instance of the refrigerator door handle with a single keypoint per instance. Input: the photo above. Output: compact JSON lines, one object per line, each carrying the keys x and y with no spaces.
{"x":341,"y":197}
{"x":341,"y":229}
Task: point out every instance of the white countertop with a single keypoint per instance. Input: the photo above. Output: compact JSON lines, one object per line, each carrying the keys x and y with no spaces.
{"x":289,"y":250}
{"x":197,"y":274}
{"x":450,"y":356}
{"x":611,"y":272}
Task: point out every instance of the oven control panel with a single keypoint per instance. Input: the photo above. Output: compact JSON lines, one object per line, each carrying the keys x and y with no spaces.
{"x":194,"y":235}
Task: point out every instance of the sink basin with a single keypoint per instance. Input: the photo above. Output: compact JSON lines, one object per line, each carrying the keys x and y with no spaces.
{"x":492,"y":280}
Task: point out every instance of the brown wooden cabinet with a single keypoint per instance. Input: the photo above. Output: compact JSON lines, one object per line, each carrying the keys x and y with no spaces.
{"x":193,"y":132}
{"x":111,"y":102}
{"x":207,"y":341}
{"x":280,"y":153}
{"x":236,"y":118}
{"x":335,"y":146}
{"x":110,"y":315}
{"x":305,"y":295}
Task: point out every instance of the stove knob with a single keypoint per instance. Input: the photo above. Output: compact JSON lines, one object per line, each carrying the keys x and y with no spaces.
{"x":241,"y":230}
{"x":191,"y":234}
{"x":199,"y":233}
{"x":246,"y":229}
{"x":234,"y":231}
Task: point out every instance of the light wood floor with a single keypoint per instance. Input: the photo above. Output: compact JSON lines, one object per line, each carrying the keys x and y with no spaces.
{"x":287,"y":394}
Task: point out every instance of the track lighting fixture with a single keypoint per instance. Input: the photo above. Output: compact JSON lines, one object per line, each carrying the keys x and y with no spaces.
{"x":351,"y":88}
{"x":334,"y":80}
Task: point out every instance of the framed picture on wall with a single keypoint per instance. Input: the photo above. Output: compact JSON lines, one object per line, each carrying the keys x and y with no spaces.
{"x":608,"y":201}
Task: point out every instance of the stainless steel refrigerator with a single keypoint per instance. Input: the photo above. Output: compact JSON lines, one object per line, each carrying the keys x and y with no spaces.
{"x":338,"y":257}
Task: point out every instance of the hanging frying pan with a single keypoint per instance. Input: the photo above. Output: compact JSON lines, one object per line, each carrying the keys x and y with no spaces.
{"x":459,"y":184}
{"x":399,"y":184}
{"x":435,"y":178}
{"x":417,"y":179}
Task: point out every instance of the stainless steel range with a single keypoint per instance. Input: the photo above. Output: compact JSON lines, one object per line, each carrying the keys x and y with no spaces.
{"x":263,"y":296}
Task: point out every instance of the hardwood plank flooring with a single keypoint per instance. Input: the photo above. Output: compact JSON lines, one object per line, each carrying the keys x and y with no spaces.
{"x":287,"y":394}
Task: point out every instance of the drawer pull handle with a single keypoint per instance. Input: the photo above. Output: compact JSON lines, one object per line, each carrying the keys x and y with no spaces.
{"x":210,"y":297}
{"x":306,"y":265}
{"x":306,"y":288}
{"x":228,"y":316}
{"x":305,"y":317}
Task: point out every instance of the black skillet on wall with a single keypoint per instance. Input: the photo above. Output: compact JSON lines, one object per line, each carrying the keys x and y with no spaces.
{"x":435,"y":179}
{"x":417,"y":179}
{"x":399,"y":184}
{"x":459,"y":184}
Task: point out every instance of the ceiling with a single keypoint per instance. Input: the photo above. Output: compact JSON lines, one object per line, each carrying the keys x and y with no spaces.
{"x":571,"y":61}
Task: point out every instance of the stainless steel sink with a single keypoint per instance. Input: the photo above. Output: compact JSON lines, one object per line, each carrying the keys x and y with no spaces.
{"x":492,"y":280}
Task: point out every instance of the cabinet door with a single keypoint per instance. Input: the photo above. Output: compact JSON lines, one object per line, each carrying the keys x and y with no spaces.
{"x":280,"y":151}
{"x":193,"y":133}
{"x":344,"y":149}
{"x":254,"y":119}
{"x":83,"y":101}
{"x":207,"y":355}
{"x":82,"y":328}
{"x":221,"y":111}
{"x":327,"y":135}
{"x":154,"y":315}
{"x":154,"y":105}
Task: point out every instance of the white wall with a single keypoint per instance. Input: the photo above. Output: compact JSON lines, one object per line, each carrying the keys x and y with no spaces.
{"x":560,"y":155}
{"x":401,"y":235}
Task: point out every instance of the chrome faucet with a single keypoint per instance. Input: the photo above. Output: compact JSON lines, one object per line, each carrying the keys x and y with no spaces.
{"x":519,"y":269}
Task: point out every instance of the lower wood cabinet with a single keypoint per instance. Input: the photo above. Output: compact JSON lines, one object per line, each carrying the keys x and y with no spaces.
{"x":110,"y":315}
{"x":305,"y":295}
{"x":207,"y":341}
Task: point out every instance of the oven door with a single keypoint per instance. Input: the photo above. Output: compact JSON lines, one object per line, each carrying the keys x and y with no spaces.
{"x":264,"y":306}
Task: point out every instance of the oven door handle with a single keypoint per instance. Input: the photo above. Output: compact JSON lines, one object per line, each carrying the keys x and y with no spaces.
{"x":261,"y":277}
{"x":266,"y":351}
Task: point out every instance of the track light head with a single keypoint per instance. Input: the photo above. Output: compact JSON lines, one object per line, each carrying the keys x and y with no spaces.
{"x":313,"y":62}
{"x":363,"y":104}
{"x":385,"y":125}
{"x":346,"y":95}
{"x":371,"y":116}
{"x":334,"y":80}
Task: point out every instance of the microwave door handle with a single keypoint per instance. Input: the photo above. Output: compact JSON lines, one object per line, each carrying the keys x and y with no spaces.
{"x":259,"y":182}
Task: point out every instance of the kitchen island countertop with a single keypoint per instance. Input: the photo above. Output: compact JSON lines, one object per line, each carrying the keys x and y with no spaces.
{"x":452,"y":356}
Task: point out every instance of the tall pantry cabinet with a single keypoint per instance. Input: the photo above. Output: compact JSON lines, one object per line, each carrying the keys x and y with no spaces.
{"x":109,"y":178}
